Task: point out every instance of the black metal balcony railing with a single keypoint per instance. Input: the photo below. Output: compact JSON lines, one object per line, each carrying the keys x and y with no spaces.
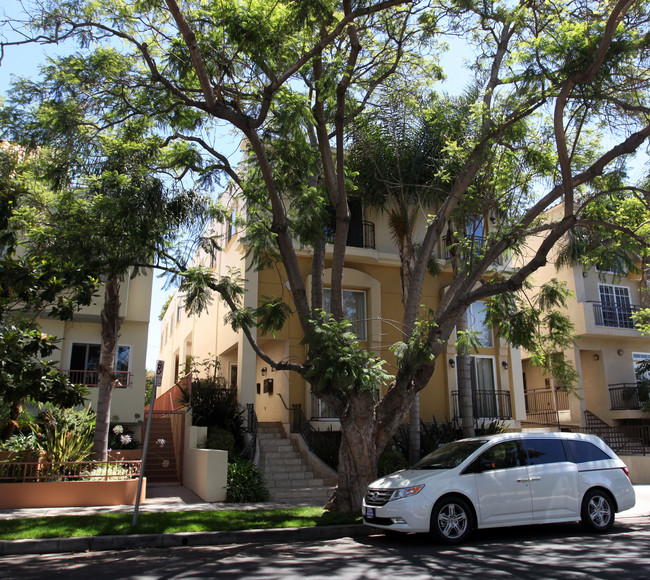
{"x":360,"y":235}
{"x":627,"y":396}
{"x":91,"y":378}
{"x":486,"y":404}
{"x":615,"y":315}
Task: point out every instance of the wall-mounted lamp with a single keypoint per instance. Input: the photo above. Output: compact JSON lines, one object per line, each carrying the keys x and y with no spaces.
{"x":493,"y":220}
{"x":452,"y":363}
{"x":504,"y":364}
{"x":264,"y":371}
{"x":596,"y":357}
{"x":620,"y":352}
{"x":585,"y":274}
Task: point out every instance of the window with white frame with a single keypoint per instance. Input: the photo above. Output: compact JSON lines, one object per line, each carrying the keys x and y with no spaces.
{"x":354,"y":309}
{"x":84,"y":364}
{"x":641,"y":362}
{"x":616,"y":306}
{"x":476,"y":323}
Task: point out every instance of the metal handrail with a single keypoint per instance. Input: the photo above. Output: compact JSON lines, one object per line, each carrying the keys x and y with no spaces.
{"x":487,"y":404}
{"x":23,"y":472}
{"x":249,"y":450}
{"x":615,"y":315}
{"x":91,"y":378}
{"x":626,"y":396}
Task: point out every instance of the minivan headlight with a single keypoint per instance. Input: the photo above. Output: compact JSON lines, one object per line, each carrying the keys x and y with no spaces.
{"x":406,"y":492}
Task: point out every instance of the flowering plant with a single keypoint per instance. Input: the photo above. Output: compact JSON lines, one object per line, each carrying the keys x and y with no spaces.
{"x":121,"y":439}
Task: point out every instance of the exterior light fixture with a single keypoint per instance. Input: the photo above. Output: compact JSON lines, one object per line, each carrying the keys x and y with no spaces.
{"x":264,"y":371}
{"x":452,"y":363}
{"x":504,"y":364}
{"x":620,"y":352}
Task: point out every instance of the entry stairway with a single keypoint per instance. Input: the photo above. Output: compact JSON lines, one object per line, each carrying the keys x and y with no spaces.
{"x":287,"y":472}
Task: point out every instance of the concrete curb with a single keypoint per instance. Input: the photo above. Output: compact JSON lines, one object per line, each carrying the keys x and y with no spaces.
{"x":136,"y":541}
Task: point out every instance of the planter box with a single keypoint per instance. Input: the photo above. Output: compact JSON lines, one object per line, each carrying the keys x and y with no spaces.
{"x":70,"y":493}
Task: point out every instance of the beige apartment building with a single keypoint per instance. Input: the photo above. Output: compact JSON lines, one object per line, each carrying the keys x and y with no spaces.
{"x":79,"y":348}
{"x":607,"y":350}
{"x":373,"y":299}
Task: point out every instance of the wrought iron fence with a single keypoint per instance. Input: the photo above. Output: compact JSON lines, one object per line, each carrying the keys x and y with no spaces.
{"x":23,"y":472}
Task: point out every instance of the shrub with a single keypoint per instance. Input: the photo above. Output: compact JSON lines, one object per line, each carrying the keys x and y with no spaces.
{"x":245,"y":483}
{"x":66,"y":434}
{"x":390,"y":460}
{"x":220,"y":439}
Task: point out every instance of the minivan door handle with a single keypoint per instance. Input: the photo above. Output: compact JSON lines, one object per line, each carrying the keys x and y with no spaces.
{"x":523,"y":480}
{"x":534,"y":478}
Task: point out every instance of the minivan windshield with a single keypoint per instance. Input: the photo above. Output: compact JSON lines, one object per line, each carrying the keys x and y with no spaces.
{"x":450,"y":455}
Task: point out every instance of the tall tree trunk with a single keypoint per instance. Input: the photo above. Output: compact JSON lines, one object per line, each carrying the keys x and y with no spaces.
{"x":415,"y":444}
{"x":111,"y":323}
{"x":357,"y":456}
{"x":465,"y":382}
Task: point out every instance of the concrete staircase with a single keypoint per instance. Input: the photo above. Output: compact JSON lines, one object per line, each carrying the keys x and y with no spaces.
{"x":287,"y":472}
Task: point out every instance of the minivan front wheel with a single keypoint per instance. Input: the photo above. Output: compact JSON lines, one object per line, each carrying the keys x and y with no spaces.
{"x":597,"y":511}
{"x":451,"y":520}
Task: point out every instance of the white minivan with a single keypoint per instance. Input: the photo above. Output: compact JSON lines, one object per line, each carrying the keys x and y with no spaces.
{"x":503,"y":480}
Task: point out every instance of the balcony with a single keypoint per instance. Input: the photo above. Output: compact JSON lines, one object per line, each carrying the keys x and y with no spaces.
{"x":627,"y":396}
{"x":487,"y":404}
{"x":543,"y":405}
{"x":615,"y":315}
{"x":360,"y":234}
{"x":91,"y":378}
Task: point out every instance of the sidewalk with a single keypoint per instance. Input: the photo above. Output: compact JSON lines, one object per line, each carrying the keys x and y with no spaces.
{"x":178,"y":498}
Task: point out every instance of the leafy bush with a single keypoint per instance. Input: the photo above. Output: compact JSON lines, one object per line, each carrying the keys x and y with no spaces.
{"x":66,"y":434}
{"x":220,"y":439}
{"x":111,"y":471}
{"x":390,"y":460}
{"x":245,"y":483}
{"x":325,"y":445}
{"x":214,"y":403}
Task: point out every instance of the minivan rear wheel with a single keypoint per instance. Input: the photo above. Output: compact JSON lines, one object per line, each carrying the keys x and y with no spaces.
{"x":597,"y":511}
{"x":451,"y":520}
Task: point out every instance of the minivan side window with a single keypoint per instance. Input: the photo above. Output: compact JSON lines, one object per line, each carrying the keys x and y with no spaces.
{"x":541,"y":451}
{"x":500,"y":456}
{"x":584,"y":451}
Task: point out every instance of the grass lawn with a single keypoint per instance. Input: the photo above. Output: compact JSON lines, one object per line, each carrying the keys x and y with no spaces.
{"x":157,"y":523}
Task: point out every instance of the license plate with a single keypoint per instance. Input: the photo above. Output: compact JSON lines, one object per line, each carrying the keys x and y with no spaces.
{"x":370,"y":513}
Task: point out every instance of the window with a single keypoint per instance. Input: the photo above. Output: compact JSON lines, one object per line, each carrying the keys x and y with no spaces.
{"x":541,"y":451}
{"x":84,"y":364}
{"x":230,"y":228}
{"x":616,"y":306}
{"x":501,"y":456}
{"x":476,"y":322}
{"x":583,"y":451}
{"x":179,"y":310}
{"x":354,"y":309}
{"x":321,"y":410}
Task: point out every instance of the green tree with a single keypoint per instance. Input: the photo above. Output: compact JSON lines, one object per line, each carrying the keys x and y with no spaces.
{"x":562,"y":94}
{"x":31,"y":286}
{"x":110,"y":211}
